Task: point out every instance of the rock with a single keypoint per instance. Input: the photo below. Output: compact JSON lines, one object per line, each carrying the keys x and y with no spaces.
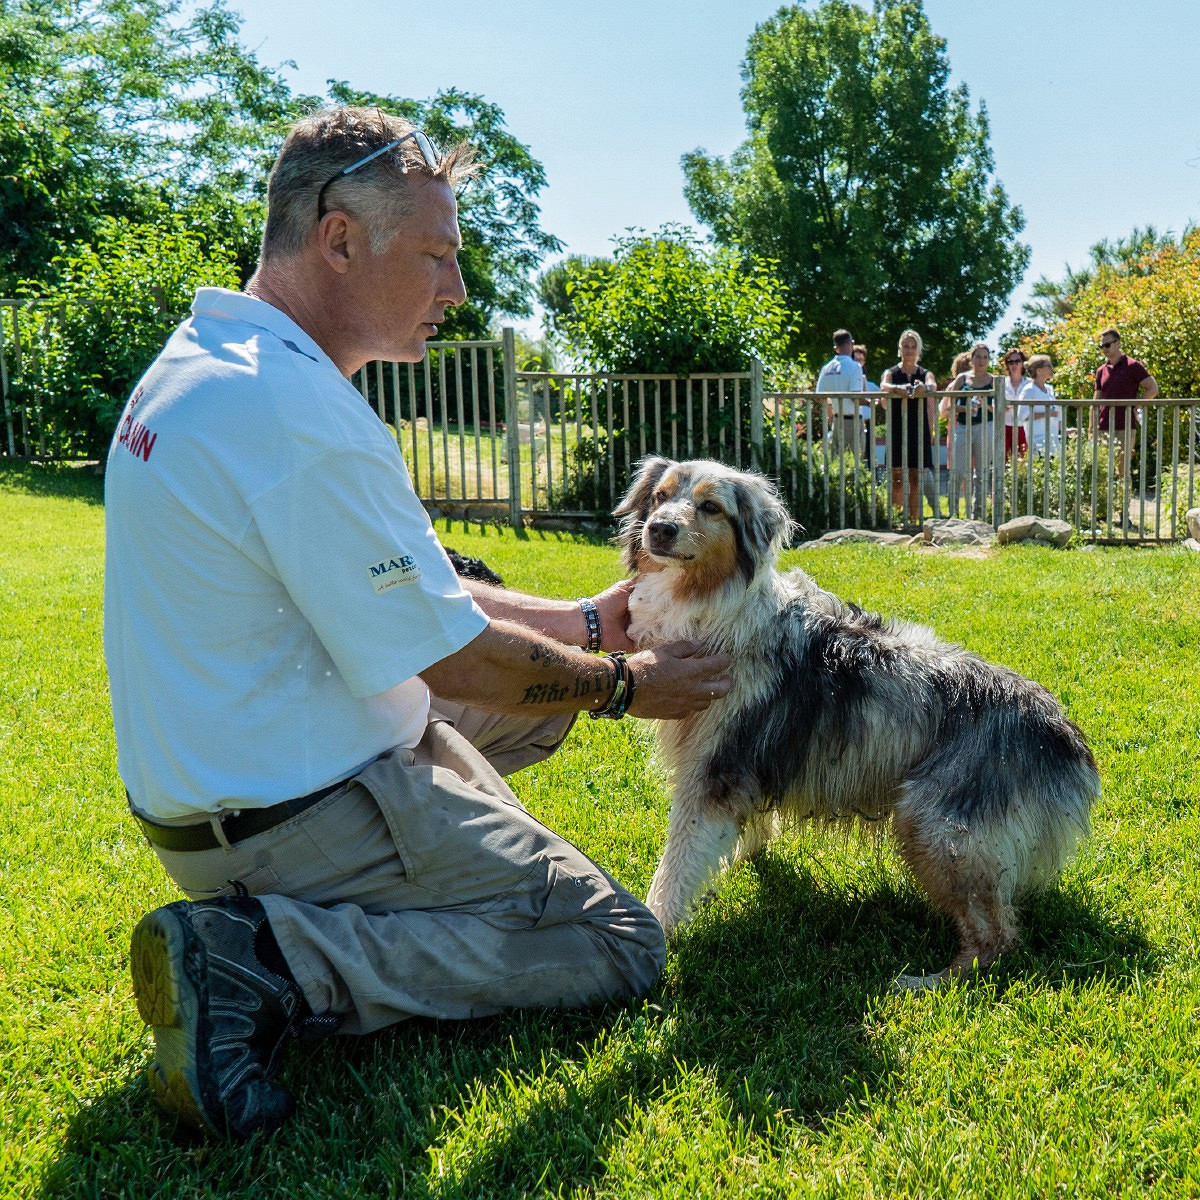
{"x":1193,"y":523}
{"x":1191,"y":544}
{"x":1039,"y":529}
{"x":835,"y":537}
{"x":956,"y":532}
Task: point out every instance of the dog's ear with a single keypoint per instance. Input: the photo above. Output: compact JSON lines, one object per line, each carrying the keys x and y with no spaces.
{"x":764,"y":525}
{"x":635,"y":507}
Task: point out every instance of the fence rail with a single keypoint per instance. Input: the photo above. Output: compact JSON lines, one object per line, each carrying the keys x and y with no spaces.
{"x":479,"y":433}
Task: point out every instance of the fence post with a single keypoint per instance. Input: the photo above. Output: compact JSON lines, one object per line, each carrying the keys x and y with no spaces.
{"x":512,"y":426}
{"x":999,"y":464}
{"x":756,"y":414}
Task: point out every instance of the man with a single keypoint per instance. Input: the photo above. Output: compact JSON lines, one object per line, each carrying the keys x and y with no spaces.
{"x":277,"y":613}
{"x":843,"y":374}
{"x":1119,"y":377}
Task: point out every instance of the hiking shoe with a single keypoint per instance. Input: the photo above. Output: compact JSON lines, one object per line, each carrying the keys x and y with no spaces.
{"x":220,"y":1017}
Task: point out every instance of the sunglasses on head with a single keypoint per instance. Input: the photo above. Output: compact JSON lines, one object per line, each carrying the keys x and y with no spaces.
{"x":428,"y":152}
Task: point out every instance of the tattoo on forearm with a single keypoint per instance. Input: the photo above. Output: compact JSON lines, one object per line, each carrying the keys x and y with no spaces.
{"x":553,"y":693}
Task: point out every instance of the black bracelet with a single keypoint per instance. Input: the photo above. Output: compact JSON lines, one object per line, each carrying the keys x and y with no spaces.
{"x":619,"y":702}
{"x":591,"y":616}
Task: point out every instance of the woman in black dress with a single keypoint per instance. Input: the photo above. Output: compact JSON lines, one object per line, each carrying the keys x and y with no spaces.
{"x":912,"y":425}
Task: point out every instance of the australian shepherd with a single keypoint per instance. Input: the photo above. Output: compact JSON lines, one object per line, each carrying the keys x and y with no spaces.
{"x":837,"y":715}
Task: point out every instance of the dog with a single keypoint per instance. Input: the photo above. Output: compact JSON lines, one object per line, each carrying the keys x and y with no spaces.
{"x":841,"y":717}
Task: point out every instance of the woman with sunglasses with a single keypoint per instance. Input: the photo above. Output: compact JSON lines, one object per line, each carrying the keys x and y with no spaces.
{"x":1014,"y":365}
{"x":912,"y":422}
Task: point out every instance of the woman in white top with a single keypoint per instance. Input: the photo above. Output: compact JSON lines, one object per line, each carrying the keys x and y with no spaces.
{"x":1039,"y":412}
{"x":1014,"y":364}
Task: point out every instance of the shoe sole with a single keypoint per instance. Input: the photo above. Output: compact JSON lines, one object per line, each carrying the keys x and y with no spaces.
{"x":167,"y":961}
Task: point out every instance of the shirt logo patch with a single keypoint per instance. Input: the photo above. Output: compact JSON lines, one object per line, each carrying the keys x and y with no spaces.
{"x":390,"y":572}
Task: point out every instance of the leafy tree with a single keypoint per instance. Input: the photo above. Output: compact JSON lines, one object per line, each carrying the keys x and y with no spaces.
{"x":1154,"y":300}
{"x":114,"y":107}
{"x":866,"y":178}
{"x":498,"y":212}
{"x":106,"y":317}
{"x":553,"y":287}
{"x":1055,"y":298}
{"x":667,"y":303}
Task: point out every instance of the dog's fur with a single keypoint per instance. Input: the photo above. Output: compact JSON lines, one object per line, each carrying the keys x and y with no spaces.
{"x":838,"y":715}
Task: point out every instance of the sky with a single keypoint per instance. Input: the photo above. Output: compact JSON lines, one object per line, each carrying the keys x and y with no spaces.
{"x":1093,"y":105}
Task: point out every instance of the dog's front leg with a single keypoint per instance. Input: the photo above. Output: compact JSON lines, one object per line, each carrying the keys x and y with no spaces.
{"x":700,"y":835}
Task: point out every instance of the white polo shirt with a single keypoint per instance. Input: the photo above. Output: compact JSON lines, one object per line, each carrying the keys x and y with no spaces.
{"x":273,"y":586}
{"x":842,"y":374}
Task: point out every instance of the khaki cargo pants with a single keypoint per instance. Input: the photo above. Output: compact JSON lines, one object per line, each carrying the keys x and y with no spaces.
{"x":423,"y":888}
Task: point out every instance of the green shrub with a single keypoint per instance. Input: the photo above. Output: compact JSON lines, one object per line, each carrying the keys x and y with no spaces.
{"x":97,"y":330}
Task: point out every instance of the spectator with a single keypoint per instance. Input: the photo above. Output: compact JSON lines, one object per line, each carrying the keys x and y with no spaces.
{"x":313,"y":713}
{"x":866,"y":410}
{"x":1120,"y":378}
{"x":842,"y":374}
{"x":1014,"y":365}
{"x":1039,"y":412}
{"x":912,"y":423}
{"x":970,"y":415}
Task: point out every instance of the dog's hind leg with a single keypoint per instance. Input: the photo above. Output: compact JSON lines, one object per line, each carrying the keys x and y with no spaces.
{"x":968,"y":876}
{"x":699,"y":836}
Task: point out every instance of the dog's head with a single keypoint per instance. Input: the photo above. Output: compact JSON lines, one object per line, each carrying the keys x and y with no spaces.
{"x":702,"y":518}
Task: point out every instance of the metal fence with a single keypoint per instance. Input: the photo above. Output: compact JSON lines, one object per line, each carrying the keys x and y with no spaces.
{"x":478,"y":433}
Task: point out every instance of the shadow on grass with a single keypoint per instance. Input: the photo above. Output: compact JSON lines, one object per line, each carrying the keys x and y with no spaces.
{"x":66,"y":480}
{"x":769,"y":999}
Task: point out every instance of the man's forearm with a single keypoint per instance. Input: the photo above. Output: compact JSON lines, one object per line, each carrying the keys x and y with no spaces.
{"x":561,"y":620}
{"x":510,"y":668}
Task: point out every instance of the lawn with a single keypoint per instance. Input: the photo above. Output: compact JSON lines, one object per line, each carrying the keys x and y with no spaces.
{"x":771,"y":1060}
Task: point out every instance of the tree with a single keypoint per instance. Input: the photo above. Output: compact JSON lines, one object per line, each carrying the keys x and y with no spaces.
{"x":667,"y":303}
{"x":554,"y":283}
{"x":115,"y":107}
{"x":1154,"y":300}
{"x":1055,"y":298}
{"x":866,"y":178}
{"x":498,"y":212}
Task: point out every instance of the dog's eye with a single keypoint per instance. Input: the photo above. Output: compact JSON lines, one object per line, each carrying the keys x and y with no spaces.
{"x":658,"y":498}
{"x":709,"y":507}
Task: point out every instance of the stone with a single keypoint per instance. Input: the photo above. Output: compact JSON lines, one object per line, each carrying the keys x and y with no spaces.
{"x":1193,"y":523}
{"x":1191,"y":544}
{"x":835,"y":537}
{"x":1038,"y":529}
{"x":953,"y":531}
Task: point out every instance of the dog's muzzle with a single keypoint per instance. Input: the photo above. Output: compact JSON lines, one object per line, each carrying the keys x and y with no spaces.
{"x":661,"y":536}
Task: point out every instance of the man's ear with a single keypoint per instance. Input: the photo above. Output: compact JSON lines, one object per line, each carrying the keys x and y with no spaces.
{"x":338,"y":238}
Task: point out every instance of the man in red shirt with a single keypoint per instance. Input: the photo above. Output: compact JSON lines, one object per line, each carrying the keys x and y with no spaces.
{"x":1120,"y":378}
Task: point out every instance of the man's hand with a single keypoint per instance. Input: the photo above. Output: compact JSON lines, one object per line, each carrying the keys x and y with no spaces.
{"x":612,"y":606}
{"x":676,"y":680}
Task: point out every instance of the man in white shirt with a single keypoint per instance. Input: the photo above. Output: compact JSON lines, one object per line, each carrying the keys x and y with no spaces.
{"x":842,"y":373}
{"x":278,"y":612}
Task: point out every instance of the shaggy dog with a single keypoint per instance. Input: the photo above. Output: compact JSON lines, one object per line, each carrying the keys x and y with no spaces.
{"x":840,"y":716}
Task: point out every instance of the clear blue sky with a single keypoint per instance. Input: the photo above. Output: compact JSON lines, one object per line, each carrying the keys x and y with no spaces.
{"x":1094,"y":105}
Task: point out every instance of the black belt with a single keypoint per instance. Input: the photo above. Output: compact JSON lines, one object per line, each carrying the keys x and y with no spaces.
{"x":237,"y":826}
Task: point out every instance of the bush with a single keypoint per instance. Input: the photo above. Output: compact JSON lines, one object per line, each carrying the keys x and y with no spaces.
{"x":1062,"y":486}
{"x":97,"y":330}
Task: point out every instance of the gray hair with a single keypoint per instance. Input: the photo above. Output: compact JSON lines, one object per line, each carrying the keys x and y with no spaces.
{"x":326,"y":142}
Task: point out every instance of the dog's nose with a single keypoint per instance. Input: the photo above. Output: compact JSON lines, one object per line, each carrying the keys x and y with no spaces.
{"x":663,"y":531}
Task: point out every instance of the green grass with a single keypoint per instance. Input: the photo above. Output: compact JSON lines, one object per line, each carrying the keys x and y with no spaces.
{"x":771,"y":1060}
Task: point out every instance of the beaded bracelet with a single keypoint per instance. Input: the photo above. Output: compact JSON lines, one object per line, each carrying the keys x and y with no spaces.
{"x":591,"y":616}
{"x":622,"y":697}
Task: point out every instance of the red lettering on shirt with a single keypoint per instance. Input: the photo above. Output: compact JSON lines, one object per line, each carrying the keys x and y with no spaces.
{"x":136,"y":438}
